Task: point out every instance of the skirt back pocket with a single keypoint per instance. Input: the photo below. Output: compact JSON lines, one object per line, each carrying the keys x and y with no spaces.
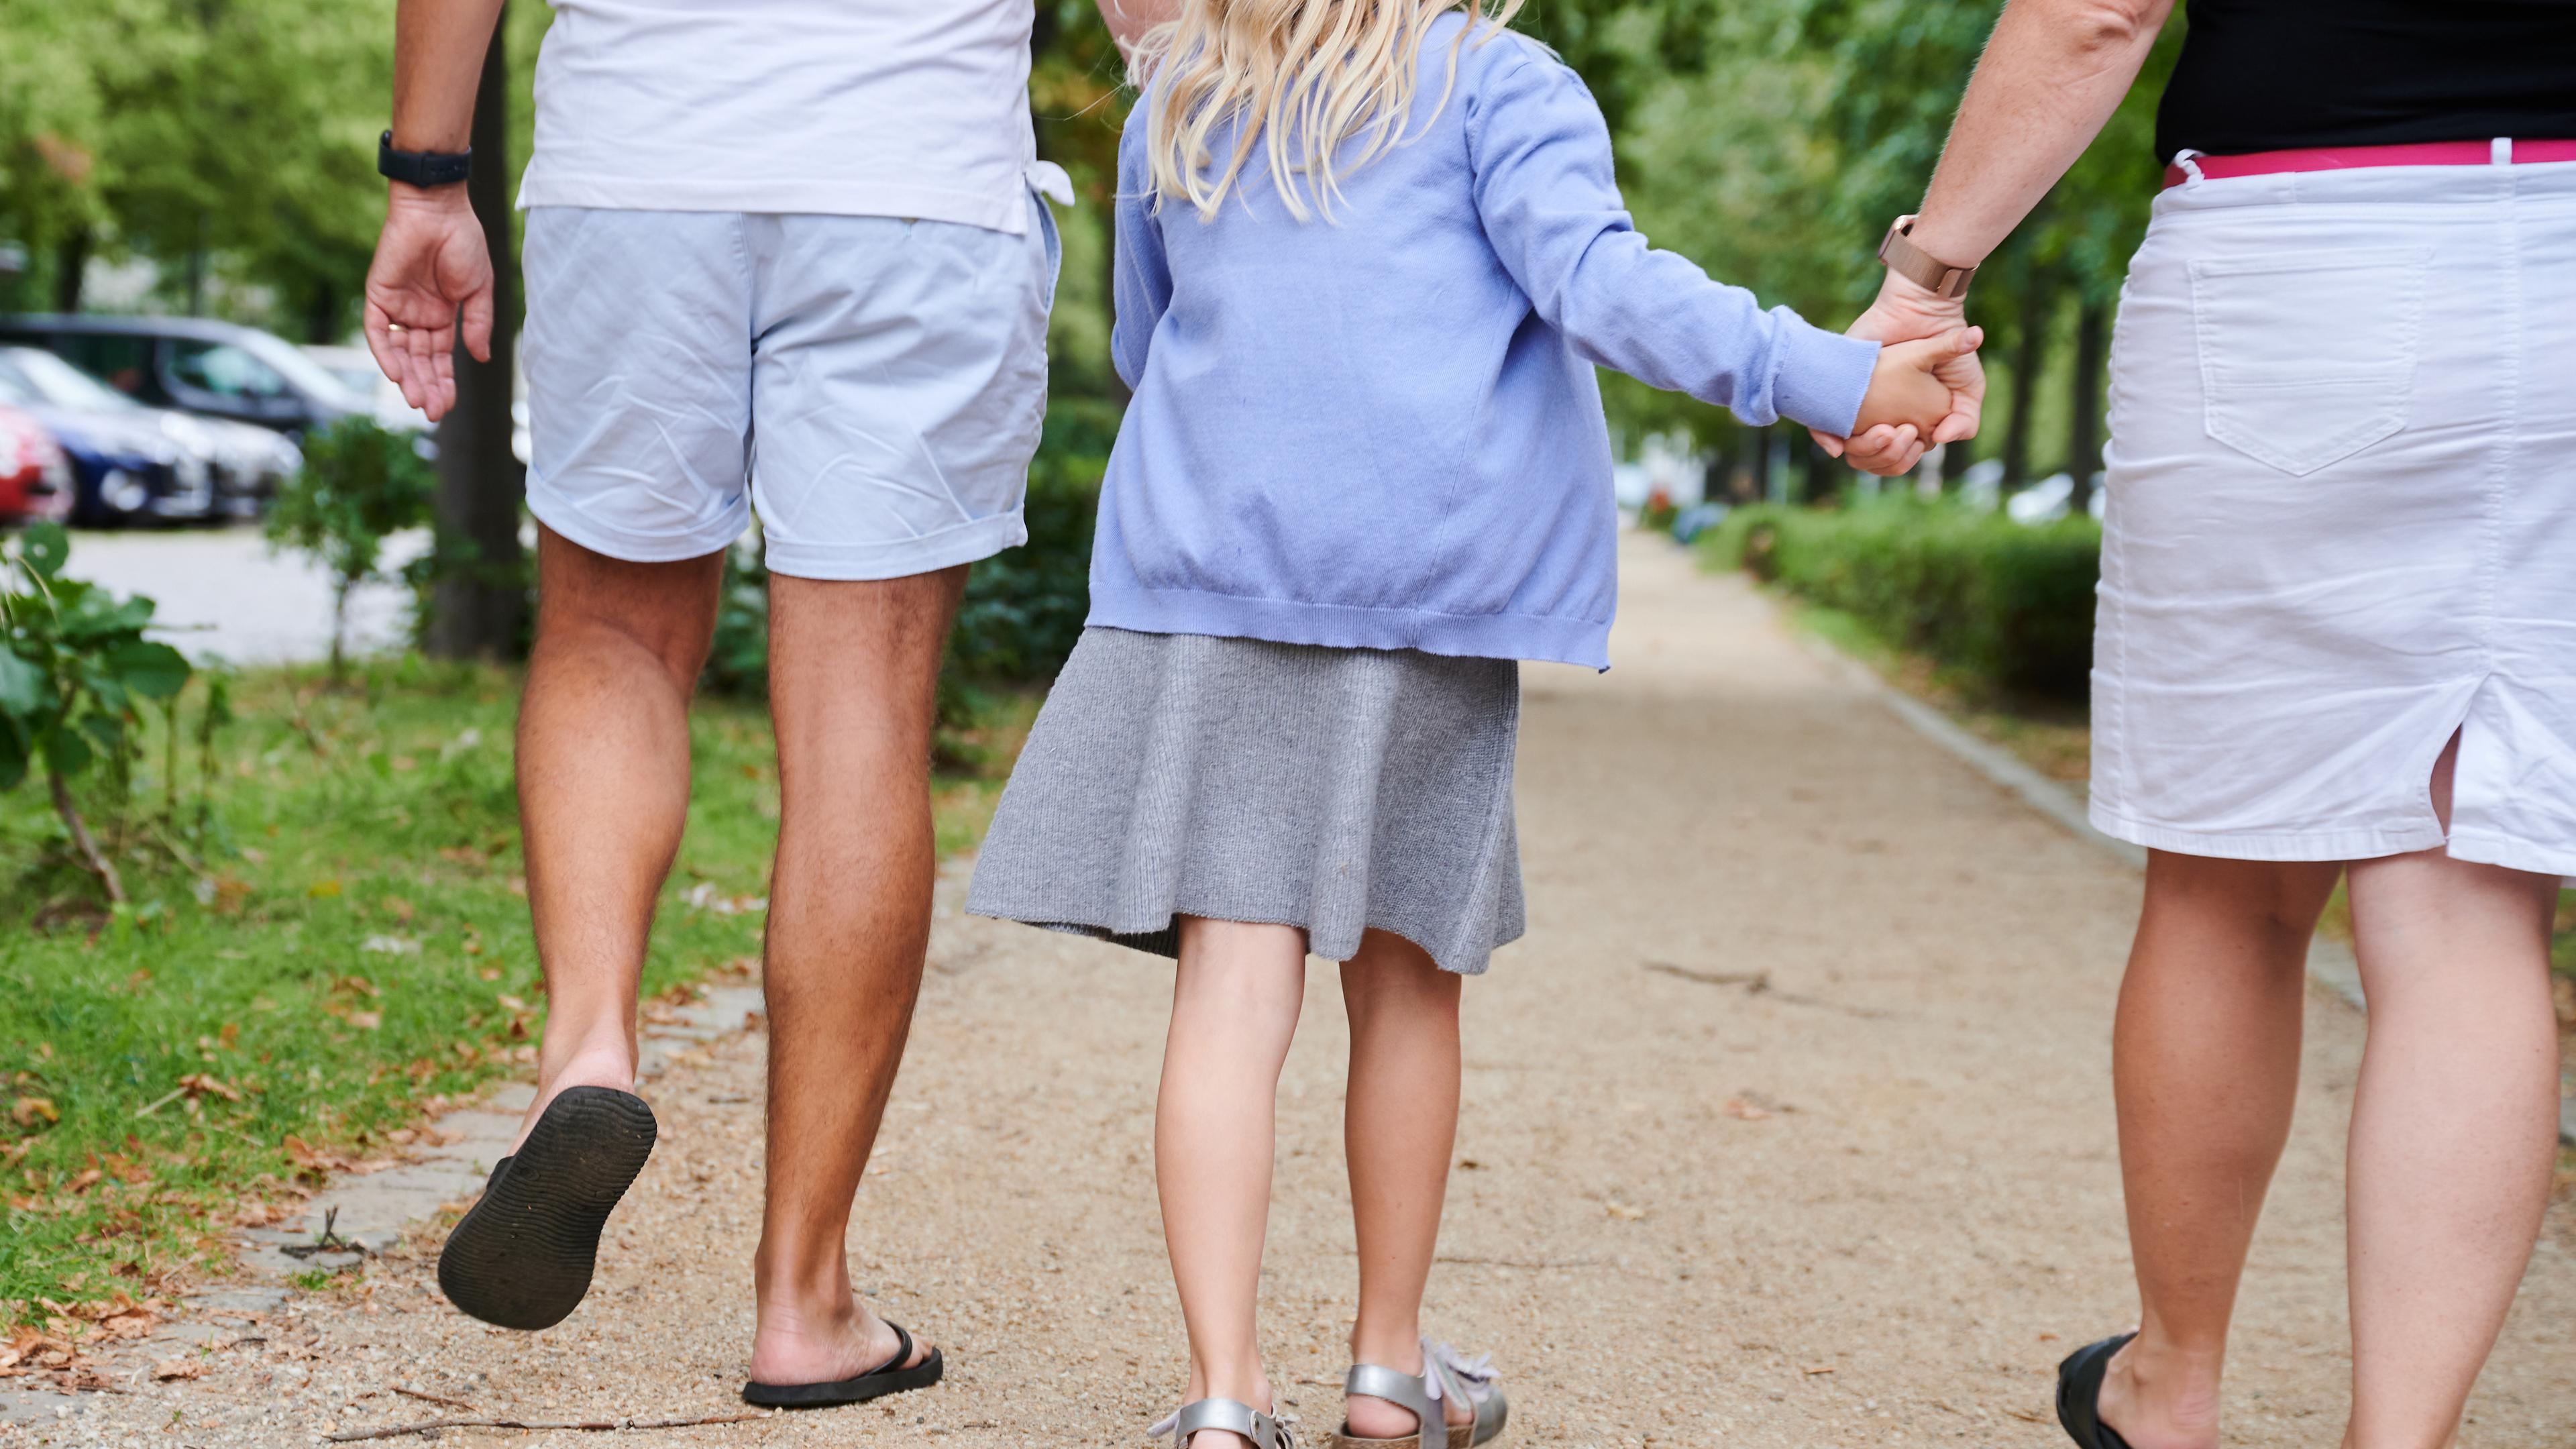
{"x":2306,"y":358}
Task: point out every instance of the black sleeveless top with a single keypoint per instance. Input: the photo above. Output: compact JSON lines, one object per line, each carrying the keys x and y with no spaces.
{"x":2275,"y":75}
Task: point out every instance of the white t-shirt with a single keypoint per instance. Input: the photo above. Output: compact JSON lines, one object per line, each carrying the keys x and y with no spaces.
{"x":914,"y":108}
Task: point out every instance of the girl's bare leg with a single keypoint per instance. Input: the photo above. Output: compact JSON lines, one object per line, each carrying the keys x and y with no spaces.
{"x":2205,"y":1066}
{"x":1400,"y":1122}
{"x":1234,"y":1010}
{"x":2454,"y":1129}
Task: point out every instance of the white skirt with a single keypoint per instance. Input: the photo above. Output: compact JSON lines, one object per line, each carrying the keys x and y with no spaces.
{"x":2341,"y":519}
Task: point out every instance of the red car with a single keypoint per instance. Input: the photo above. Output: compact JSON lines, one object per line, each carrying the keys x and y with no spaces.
{"x":35,"y":477}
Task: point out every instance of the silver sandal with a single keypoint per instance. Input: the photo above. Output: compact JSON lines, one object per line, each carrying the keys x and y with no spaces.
{"x":1228,"y":1415}
{"x":1446,"y":1373}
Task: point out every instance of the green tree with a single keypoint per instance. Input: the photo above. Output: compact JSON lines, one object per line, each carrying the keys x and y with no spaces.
{"x":359,"y":486}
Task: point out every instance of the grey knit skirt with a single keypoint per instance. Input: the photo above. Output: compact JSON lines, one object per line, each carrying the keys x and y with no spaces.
{"x":1336,"y":790}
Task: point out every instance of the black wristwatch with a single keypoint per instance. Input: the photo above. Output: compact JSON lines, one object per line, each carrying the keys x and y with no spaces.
{"x":421,"y":168}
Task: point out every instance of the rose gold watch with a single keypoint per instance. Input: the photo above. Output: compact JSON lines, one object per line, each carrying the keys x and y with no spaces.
{"x":1920,"y":267}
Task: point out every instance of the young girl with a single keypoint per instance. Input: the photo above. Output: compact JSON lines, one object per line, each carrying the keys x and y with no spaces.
{"x":1368,"y":251}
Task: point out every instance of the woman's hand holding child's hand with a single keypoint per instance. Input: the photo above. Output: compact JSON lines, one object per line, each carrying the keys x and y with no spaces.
{"x":1911,"y":389}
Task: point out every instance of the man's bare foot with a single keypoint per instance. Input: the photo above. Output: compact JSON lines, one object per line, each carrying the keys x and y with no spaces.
{"x":821,"y":1347}
{"x":2165,"y":1400}
{"x":610,"y":1065}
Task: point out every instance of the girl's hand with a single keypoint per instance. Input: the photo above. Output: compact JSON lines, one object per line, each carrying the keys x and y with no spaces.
{"x":1914,"y":396}
{"x":1904,"y":312}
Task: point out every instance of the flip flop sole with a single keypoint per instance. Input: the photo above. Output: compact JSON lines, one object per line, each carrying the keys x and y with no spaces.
{"x":522,"y":1257}
{"x":844,"y":1391}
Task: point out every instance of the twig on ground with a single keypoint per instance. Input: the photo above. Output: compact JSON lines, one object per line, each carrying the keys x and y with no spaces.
{"x":157,"y":1103}
{"x":433,"y":1398}
{"x":1758,"y":983}
{"x":329,"y":1241}
{"x":587,"y":1426}
{"x":1753,"y":982}
{"x":179,"y":853}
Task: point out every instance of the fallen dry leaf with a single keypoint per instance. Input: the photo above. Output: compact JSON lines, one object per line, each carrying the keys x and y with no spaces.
{"x":129,"y":1325}
{"x":200,"y":1084}
{"x":178,"y":1368}
{"x":1743,"y":1111}
{"x":28,"y":1109}
{"x":1618,"y":1209}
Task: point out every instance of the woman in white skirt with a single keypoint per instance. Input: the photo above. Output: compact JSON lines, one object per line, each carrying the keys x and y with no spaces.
{"x":2337,"y":635}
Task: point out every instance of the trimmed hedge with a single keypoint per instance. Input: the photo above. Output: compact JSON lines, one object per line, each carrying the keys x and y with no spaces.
{"x":2008,"y":605}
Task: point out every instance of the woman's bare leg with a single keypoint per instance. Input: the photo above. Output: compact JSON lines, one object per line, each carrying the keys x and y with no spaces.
{"x":2454,"y":1129}
{"x":2205,"y":1066}
{"x":1400,"y":1122}
{"x":1234,"y":1010}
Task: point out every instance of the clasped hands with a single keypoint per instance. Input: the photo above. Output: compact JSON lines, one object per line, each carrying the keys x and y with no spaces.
{"x":1928,"y":386}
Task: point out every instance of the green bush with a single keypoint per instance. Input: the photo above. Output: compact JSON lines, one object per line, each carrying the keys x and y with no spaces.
{"x":2008,"y":605}
{"x":75,"y":670}
{"x":360,"y":484}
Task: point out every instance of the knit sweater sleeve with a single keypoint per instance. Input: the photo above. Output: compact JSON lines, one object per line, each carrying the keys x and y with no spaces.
{"x":1142,"y":290}
{"x":1549,"y":200}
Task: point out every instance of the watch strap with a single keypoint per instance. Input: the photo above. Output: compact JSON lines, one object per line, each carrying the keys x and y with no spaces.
{"x":1920,"y":267}
{"x":421,"y":168}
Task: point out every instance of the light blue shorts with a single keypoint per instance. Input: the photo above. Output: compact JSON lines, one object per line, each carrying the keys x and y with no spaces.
{"x":871,"y":386}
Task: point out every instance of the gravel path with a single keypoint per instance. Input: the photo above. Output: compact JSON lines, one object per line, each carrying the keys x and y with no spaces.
{"x":1789,"y":1124}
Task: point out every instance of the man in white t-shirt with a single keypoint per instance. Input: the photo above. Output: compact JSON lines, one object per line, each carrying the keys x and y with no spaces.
{"x":817,"y":224}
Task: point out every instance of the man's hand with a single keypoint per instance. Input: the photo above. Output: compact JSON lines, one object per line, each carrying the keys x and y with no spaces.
{"x":430,"y":263}
{"x":1905,"y":312}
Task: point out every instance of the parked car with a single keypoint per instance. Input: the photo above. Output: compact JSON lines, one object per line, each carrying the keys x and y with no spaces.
{"x":197,"y":365}
{"x":35,"y":474}
{"x":356,"y":369}
{"x":129,"y":463}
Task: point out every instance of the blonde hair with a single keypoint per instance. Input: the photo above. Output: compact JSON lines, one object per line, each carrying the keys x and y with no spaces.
{"x":1301,"y":78}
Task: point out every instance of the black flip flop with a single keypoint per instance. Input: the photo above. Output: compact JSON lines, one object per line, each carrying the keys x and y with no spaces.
{"x":522,"y":1257}
{"x":890,"y":1377}
{"x":2079,"y":1394}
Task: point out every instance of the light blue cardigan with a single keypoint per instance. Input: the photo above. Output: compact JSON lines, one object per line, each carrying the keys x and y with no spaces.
{"x":1383,"y":431}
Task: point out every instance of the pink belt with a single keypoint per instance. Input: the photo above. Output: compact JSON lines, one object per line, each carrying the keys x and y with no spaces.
{"x":2339,"y":158}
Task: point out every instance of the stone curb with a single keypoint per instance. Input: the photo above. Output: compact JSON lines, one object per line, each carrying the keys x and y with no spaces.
{"x":372,"y":1210}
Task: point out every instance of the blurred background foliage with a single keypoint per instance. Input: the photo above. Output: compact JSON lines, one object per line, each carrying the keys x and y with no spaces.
{"x":229,"y":143}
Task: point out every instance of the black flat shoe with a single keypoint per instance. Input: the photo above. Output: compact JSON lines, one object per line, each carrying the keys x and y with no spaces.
{"x":890,"y":1377}
{"x":522,"y":1258}
{"x":2079,"y":1394}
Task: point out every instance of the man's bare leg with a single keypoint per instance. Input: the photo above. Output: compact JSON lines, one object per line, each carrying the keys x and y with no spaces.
{"x":603,"y":763}
{"x":853,"y":670}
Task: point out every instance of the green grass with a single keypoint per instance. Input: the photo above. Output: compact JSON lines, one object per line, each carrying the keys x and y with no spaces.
{"x":345,"y":946}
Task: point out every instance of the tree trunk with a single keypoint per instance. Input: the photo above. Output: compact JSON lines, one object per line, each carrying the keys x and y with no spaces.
{"x":476,"y":607}
{"x":322,"y":315}
{"x":71,"y":265}
{"x":1819,"y":483}
{"x":2084,"y":434}
{"x":2030,"y":350}
{"x":1955,"y":458}
{"x":340,"y":630}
